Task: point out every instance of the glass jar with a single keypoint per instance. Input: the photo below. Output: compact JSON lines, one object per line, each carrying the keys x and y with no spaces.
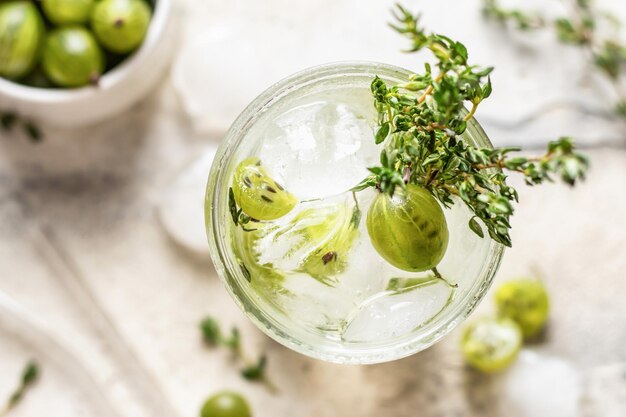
{"x":291,"y":330}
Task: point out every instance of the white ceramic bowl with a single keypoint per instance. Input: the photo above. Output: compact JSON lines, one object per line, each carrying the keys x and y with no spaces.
{"x":118,"y":89}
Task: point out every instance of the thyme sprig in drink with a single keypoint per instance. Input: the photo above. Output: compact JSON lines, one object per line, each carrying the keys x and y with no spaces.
{"x":420,"y":123}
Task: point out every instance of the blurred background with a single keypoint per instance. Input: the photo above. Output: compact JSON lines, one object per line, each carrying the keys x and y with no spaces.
{"x":104,"y":270}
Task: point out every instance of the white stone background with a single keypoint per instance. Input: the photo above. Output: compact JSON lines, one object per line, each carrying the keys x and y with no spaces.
{"x":116,"y":301}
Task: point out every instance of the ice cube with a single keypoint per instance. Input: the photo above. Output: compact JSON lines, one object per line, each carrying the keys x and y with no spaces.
{"x":387,"y":315}
{"x":181,"y":210}
{"x":208,"y":66}
{"x":541,"y":385}
{"x":323,"y":145}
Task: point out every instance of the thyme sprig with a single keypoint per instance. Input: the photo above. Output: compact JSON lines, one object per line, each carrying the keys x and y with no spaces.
{"x":581,"y":27}
{"x":28,"y":378}
{"x":523,"y":20}
{"x":420,"y":123}
{"x":252,"y":370}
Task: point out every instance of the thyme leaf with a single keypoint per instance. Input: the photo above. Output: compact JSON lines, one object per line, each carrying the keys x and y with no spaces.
{"x":9,"y":120}
{"x":252,"y":370}
{"x":30,"y":374}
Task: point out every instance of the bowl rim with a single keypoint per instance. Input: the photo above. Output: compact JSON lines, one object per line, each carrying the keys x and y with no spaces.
{"x":233,"y":278}
{"x":109,"y":80}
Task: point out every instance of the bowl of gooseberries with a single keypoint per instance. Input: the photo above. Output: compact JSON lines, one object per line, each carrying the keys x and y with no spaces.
{"x":76,"y":62}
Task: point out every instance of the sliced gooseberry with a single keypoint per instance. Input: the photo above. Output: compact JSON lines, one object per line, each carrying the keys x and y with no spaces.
{"x":491,"y":343}
{"x":408,"y":230}
{"x":257,"y":194}
{"x":526,"y":302}
{"x":332,"y":230}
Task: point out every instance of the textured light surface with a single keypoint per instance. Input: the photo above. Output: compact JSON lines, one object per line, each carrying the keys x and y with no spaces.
{"x":82,"y":207}
{"x":541,"y":88}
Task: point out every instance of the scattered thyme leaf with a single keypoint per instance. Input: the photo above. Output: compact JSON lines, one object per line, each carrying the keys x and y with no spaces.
{"x":252,"y":370}
{"x":32,"y":131}
{"x":234,"y":341}
{"x":255,"y":372}
{"x":8,"y":120}
{"x":211,"y":332}
{"x":30,"y":374}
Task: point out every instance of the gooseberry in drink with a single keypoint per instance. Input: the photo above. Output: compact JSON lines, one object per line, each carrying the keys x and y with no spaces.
{"x":408,"y":230}
{"x":258,"y":194}
{"x":333,"y":230}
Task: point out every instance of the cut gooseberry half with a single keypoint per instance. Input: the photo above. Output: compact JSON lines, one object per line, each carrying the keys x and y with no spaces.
{"x":490,"y":344}
{"x":258,"y":194}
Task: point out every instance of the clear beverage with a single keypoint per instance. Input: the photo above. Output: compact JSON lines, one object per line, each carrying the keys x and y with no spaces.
{"x":317,"y":140}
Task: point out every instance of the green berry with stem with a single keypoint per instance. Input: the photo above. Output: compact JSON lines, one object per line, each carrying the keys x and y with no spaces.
{"x":121,"y":25}
{"x":409,"y":230}
{"x":526,"y":302}
{"x":72,"y":57}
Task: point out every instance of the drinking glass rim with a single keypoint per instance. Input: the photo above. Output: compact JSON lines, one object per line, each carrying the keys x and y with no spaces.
{"x":245,"y":297}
